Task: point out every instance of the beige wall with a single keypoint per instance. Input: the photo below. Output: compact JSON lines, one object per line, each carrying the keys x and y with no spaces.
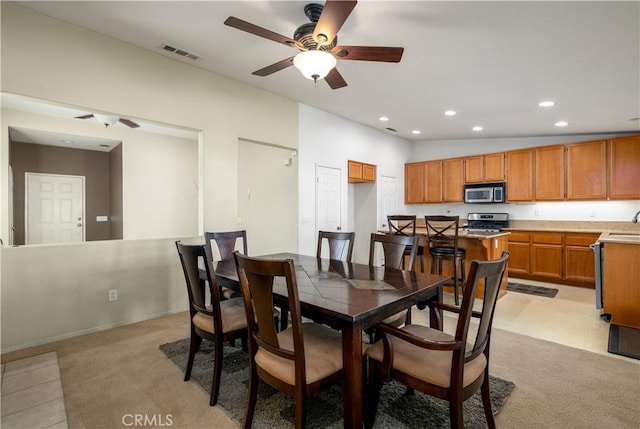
{"x":47,"y":59}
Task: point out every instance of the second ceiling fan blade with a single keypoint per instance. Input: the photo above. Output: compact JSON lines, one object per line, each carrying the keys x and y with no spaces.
{"x":240,"y":24}
{"x":368,"y":53}
{"x":333,"y":15}
{"x":274,"y":67}
{"x":335,"y":79}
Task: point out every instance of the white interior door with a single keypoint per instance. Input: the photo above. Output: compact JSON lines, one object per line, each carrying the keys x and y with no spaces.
{"x":388,"y":199}
{"x":328,"y":200}
{"x":54,"y":208}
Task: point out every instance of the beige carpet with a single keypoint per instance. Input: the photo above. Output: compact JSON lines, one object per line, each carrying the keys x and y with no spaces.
{"x":111,"y":374}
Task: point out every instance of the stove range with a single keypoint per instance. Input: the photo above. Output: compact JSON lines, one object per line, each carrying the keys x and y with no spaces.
{"x":486,"y":222}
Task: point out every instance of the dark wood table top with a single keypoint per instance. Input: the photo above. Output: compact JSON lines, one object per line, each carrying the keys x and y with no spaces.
{"x":347,"y":292}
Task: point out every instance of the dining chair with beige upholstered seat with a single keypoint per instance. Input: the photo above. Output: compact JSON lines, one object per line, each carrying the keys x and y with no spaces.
{"x":337,"y":241}
{"x":449,"y":367}
{"x":219,"y":321}
{"x":394,"y":249}
{"x":299,"y":361}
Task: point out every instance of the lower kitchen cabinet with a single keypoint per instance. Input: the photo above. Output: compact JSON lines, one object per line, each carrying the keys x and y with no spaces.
{"x":621,"y":279}
{"x":558,"y":257}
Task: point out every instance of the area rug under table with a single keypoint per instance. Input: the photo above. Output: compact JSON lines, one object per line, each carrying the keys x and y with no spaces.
{"x":275,"y":410}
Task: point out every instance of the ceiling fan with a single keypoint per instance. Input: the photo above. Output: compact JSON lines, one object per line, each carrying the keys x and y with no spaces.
{"x":317,"y":42}
{"x":107,"y":120}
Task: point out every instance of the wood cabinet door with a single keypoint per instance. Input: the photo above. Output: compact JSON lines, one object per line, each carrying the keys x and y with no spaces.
{"x":546,"y":260}
{"x":369,"y":173}
{"x":586,"y":171}
{"x":494,"y":167}
{"x":474,"y":169}
{"x":453,"y":180}
{"x":354,"y":170}
{"x":621,"y":294}
{"x":579,"y":264}
{"x":520,"y":175}
{"x":624,"y":168}
{"x":519,"y":258}
{"x":549,"y":173}
{"x":433,"y":181}
{"x":414,"y":183}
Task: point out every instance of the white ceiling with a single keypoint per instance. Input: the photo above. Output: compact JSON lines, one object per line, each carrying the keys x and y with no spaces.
{"x":492,"y":62}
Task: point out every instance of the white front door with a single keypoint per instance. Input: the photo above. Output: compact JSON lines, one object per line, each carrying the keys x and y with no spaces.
{"x":54,"y":208}
{"x":328,"y":199}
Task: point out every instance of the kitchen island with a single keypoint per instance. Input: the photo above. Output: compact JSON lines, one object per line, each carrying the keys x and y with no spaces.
{"x":478,"y":245}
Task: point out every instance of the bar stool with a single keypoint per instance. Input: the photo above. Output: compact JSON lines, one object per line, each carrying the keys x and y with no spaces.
{"x":442,"y":233}
{"x":405,"y":225}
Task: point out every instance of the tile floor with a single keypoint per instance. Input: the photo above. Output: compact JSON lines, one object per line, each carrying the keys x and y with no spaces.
{"x":32,"y":394}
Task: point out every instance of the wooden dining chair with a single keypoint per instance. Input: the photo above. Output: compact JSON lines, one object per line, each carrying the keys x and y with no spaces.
{"x":442,"y":236}
{"x":436,"y":363}
{"x":337,"y":242}
{"x":299,"y":361}
{"x":394,"y":248}
{"x":219,"y":321}
{"x":226,"y":243}
{"x":405,"y":225}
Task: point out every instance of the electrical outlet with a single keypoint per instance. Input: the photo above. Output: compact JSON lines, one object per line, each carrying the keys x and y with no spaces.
{"x":536,"y":212}
{"x":593,"y":213}
{"x":113,"y":295}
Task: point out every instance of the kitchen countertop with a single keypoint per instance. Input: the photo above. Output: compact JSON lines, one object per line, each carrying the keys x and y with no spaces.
{"x":624,"y":237}
{"x":462,"y":233}
{"x":573,"y":226}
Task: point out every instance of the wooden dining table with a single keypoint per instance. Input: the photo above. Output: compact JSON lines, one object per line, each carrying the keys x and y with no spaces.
{"x":351,"y":298}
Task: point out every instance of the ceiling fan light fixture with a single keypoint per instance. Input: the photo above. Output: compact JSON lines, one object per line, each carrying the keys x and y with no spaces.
{"x":106,"y":120}
{"x":314,"y":64}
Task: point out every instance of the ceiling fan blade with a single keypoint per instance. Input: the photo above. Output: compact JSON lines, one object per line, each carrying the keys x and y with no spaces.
{"x":280,"y":65}
{"x":335,"y":79}
{"x":368,"y":53}
{"x":90,"y":115}
{"x":258,"y":31}
{"x":129,"y":123}
{"x":333,"y":15}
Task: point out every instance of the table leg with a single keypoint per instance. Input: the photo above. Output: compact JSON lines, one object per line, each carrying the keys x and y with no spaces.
{"x":352,"y":370}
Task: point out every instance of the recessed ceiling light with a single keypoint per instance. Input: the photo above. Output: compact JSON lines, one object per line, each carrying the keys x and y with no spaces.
{"x":548,"y":103}
{"x":415,"y":132}
{"x":561,"y":124}
{"x":450,"y":113}
{"x":383,"y":118}
{"x":66,"y":141}
{"x":477,"y":128}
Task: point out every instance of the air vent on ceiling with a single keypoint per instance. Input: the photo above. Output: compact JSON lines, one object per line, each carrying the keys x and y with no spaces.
{"x":180,"y":52}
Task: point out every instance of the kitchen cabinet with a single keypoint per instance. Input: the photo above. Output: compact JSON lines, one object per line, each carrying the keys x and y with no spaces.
{"x":484,"y":168}
{"x":414,"y":183}
{"x":433,"y":181}
{"x":453,"y":180}
{"x":520,"y":175}
{"x":624,"y":168}
{"x":549,"y":173}
{"x":621,"y":293}
{"x":555,"y":256}
{"x":360,"y":172}
{"x":578,"y":257}
{"x":546,"y":254}
{"x":586,"y":169}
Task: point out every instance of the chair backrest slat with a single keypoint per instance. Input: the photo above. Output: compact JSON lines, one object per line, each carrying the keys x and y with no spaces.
{"x":394,"y":247}
{"x":402,"y":224}
{"x":337,"y":242}
{"x":227,"y":242}
{"x":442,"y":231}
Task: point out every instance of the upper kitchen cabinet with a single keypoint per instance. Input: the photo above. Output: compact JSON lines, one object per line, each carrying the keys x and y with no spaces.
{"x":484,"y":168}
{"x":360,"y":172}
{"x":549,"y":173}
{"x":452,"y":180}
{"x":520,"y":175}
{"x":414,"y":183}
{"x":587,"y":171}
{"x":624,"y":168}
{"x":423,"y":182}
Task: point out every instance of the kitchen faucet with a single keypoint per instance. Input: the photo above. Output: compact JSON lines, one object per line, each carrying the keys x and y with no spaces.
{"x":635,"y":218}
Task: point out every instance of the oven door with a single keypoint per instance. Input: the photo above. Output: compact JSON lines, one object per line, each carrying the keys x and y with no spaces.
{"x":478,"y":195}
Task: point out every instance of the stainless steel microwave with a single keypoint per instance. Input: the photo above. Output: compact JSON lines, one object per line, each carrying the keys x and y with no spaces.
{"x":482,"y":193}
